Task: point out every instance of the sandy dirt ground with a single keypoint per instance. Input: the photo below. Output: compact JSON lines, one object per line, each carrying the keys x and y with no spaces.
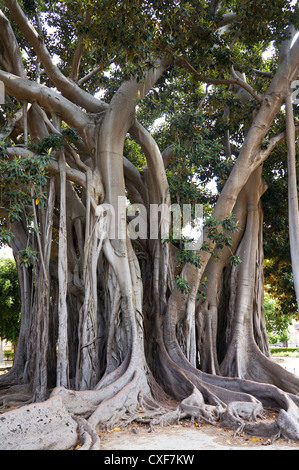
{"x":185,"y":437}
{"x":289,"y":363}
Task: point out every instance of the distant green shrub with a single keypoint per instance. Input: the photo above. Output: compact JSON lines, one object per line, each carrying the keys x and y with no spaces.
{"x":284,"y":351}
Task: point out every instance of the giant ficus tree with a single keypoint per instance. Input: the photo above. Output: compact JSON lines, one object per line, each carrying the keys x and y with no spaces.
{"x":112,"y":323}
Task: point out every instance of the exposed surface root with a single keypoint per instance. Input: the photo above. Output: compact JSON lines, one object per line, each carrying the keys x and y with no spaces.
{"x":70,"y":419}
{"x":288,"y":423}
{"x":39,"y":426}
{"x":15,"y":396}
{"x":195,"y":407}
{"x":88,"y":437}
{"x":236,"y":412}
{"x":12,"y":377}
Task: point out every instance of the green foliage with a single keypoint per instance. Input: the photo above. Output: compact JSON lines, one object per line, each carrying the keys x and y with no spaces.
{"x":28,"y":257}
{"x":29,"y":6}
{"x":8,"y":355}
{"x":5,"y":234}
{"x":294,"y":352}
{"x":182,"y":284}
{"x":132,"y":152}
{"x":277,"y":323}
{"x":23,"y":180}
{"x":10,"y":303}
{"x":54,"y":142}
{"x":133,"y":34}
{"x":201,"y":293}
{"x":188,"y":256}
{"x":20,"y":178}
{"x":219,"y":231}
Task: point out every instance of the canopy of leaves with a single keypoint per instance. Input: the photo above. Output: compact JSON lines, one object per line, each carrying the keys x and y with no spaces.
{"x":131,"y":35}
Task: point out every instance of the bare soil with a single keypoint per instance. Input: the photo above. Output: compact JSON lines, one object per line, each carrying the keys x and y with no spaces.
{"x":289,"y":363}
{"x":185,"y":436}
{"x":200,"y":436}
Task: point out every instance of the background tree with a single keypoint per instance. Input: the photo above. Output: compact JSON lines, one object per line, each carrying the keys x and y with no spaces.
{"x":10,"y":302}
{"x":115,"y":324}
{"x":277,"y":324}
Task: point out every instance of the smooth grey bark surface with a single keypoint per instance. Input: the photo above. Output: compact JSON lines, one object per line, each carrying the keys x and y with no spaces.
{"x":49,"y":427}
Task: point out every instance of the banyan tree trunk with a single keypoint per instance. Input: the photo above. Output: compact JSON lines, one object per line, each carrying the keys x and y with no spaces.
{"x":241,"y":312}
{"x":231,"y":333}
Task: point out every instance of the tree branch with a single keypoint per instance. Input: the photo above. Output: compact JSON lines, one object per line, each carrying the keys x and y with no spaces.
{"x":67,"y":87}
{"x":219,"y":81}
{"x":73,"y":175}
{"x":228,"y":18}
{"x":132,"y":173}
{"x":79,"y":51}
{"x":263,"y":73}
{"x":167,"y":155}
{"x":89,"y":76}
{"x":250,"y":156}
{"x":214,"y":4}
{"x":11,"y":45}
{"x":24,"y":89}
{"x":273,"y":142}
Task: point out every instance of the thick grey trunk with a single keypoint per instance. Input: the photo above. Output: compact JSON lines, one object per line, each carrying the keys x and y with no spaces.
{"x":242,"y":302}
